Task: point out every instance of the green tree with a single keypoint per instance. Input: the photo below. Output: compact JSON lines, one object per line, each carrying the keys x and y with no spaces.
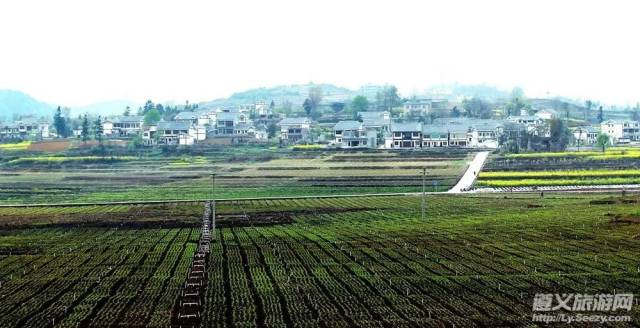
{"x":587,"y":109}
{"x":635,"y":114}
{"x":127,"y":111}
{"x":60,"y":124}
{"x":359,"y":104}
{"x":516,"y":105}
{"x":455,"y":112}
{"x":600,"y":115}
{"x":287,"y":107}
{"x":307,"y":107}
{"x":477,"y":108}
{"x":98,"y":130}
{"x":559,"y":135}
{"x":84,"y":133}
{"x":315,"y":97}
{"x":272,"y":129}
{"x":388,"y":98}
{"x":337,"y":106}
{"x":152,"y":117}
{"x":148,"y":106}
{"x":603,"y":141}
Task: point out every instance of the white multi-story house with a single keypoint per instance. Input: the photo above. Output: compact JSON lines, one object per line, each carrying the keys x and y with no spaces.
{"x":451,"y":135}
{"x":179,"y":133}
{"x":483,"y":133}
{"x":353,"y":134}
{"x":124,"y":126}
{"x":226,"y":122}
{"x":546,"y":114}
{"x":27,"y":128}
{"x":585,"y":135}
{"x":435,"y":136}
{"x":107,"y":127}
{"x":405,"y":135}
{"x":533,"y":123}
{"x":207,"y":117}
{"x":621,"y":131}
{"x":380,"y":121}
{"x":417,"y":107}
{"x":295,"y":129}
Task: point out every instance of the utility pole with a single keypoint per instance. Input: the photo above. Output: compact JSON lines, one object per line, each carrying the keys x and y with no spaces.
{"x":424,"y":174}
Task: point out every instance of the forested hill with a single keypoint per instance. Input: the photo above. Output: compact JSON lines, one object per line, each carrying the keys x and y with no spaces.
{"x":293,"y":93}
{"x":16,"y":103}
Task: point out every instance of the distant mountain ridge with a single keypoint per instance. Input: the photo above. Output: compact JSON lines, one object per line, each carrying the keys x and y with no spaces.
{"x":296,"y":94}
{"x":15,"y":103}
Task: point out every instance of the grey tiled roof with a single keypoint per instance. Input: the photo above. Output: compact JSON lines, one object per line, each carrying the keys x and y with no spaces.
{"x":406,"y":127}
{"x":294,"y":120}
{"x":186,"y":116}
{"x":173,"y":126}
{"x":227,"y":116}
{"x":347,"y":125}
{"x":129,"y":119}
{"x":371,"y":115}
{"x":442,"y":128}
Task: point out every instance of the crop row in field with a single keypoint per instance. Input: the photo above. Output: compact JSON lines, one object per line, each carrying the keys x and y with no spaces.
{"x":611,"y":153}
{"x":67,"y":159}
{"x":163,"y":215}
{"x":19,"y":146}
{"x":500,"y":183}
{"x":374,"y":262}
{"x":93,"y":276}
{"x":559,"y":173}
{"x":93,"y":265}
{"x":558,"y":178}
{"x":334,"y":262}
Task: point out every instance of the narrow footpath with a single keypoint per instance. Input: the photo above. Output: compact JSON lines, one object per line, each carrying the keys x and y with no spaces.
{"x":471,"y":174}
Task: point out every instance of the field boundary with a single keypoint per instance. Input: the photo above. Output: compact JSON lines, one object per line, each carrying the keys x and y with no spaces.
{"x":222,"y":200}
{"x":202,"y":200}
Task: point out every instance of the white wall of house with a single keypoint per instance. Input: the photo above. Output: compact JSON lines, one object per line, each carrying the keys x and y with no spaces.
{"x":107,"y":128}
{"x":545,"y":114}
{"x":612,"y":129}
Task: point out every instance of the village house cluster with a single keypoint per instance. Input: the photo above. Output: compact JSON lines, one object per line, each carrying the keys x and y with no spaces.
{"x":25,"y":129}
{"x":413,"y":127}
{"x":220,"y":125}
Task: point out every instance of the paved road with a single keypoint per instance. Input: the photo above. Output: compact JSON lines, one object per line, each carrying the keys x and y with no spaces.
{"x":471,"y":174}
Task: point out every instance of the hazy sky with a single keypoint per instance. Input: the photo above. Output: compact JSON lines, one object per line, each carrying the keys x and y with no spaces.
{"x":77,"y":52}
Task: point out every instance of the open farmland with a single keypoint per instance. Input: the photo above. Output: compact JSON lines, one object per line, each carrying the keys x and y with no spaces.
{"x":331,"y":262}
{"x":616,"y":166}
{"x":82,"y":266}
{"x":81,"y":177}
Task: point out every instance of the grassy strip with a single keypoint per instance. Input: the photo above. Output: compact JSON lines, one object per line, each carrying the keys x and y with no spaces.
{"x":65,"y":159}
{"x":15,"y":146}
{"x":560,"y":173}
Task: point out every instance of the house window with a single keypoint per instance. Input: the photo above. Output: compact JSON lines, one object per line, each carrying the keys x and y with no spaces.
{"x":397,"y":135}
